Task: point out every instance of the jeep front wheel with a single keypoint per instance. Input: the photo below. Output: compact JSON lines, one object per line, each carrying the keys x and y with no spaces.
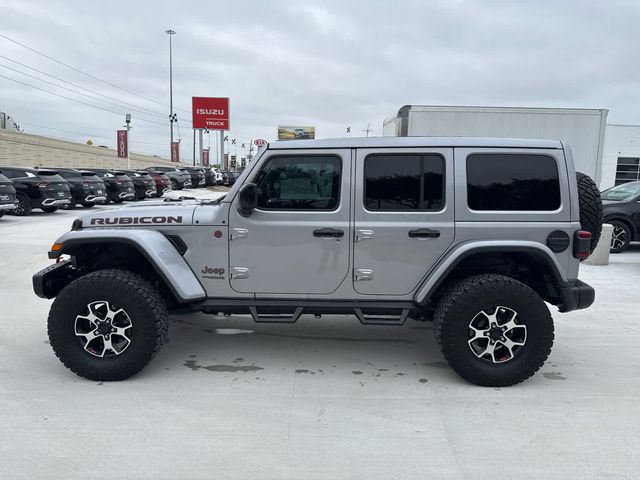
{"x":493,"y":330}
{"x":107,"y":325}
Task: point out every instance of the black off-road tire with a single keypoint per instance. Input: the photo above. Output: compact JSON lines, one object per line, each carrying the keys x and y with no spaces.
{"x":469,"y":297}
{"x":24,"y":207}
{"x":139,"y":299}
{"x":49,"y":209}
{"x":620,"y":237}
{"x":590,"y":207}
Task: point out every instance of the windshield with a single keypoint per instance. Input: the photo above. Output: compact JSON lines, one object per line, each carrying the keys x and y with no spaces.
{"x":623,"y":192}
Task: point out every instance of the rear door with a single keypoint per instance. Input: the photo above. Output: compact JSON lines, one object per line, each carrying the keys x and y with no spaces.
{"x":404,"y":216}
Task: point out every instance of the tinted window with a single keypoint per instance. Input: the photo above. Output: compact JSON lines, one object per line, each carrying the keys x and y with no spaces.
{"x":404,"y":182}
{"x":512,"y":182}
{"x":299,"y":183}
{"x":64,"y":174}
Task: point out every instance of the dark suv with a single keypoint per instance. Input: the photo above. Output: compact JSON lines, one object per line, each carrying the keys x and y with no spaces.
{"x":37,"y":188}
{"x":621,"y":208}
{"x":163,"y":183}
{"x":209,"y":176}
{"x":7,"y":195}
{"x":145,"y":185}
{"x":179,"y":179}
{"x":197,"y":177}
{"x":86,"y":187}
{"x":119,"y":185}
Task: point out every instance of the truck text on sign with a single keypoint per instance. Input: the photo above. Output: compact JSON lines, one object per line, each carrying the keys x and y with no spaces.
{"x":175,"y":151}
{"x":210,"y":113}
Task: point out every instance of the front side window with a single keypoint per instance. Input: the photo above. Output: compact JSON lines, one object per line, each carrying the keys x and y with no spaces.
{"x":404,"y":182}
{"x":512,"y":182}
{"x":299,"y":182}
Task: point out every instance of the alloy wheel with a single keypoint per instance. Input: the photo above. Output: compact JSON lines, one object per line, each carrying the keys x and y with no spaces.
{"x":496,"y":334}
{"x":103,"y":329}
{"x":618,"y":238}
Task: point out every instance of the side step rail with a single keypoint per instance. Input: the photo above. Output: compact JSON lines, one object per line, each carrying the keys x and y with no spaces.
{"x":376,"y":319}
{"x":276,"y":318}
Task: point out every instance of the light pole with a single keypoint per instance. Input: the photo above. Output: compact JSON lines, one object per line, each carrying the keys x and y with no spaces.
{"x":171,"y":33}
{"x":127,"y":120}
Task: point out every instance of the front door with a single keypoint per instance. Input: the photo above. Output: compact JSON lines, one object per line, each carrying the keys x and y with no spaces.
{"x":297,"y":240}
{"x":404,"y":216}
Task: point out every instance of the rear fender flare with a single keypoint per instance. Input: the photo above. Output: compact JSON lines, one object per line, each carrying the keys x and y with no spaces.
{"x":439,"y":273}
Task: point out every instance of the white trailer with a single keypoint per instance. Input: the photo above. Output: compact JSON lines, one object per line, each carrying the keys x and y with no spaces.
{"x":583,"y":129}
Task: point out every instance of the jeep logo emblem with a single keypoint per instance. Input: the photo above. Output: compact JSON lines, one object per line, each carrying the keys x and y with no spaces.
{"x":214,"y":273}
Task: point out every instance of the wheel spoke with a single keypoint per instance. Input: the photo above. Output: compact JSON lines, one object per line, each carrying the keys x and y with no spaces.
{"x":489,"y":350}
{"x":477,"y":334}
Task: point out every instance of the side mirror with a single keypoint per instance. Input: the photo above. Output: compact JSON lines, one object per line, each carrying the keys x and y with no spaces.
{"x":248,"y":199}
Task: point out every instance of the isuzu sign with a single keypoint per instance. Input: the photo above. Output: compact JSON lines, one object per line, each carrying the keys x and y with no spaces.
{"x":210,"y":113}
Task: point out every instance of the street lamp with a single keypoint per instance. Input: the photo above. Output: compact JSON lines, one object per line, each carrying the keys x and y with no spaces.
{"x":172,"y":116}
{"x":127,"y":120}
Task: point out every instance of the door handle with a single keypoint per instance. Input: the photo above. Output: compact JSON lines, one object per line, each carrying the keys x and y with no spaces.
{"x":328,"y":233}
{"x":424,"y":233}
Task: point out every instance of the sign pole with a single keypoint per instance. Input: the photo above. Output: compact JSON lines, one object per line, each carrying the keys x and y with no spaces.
{"x":221,"y":149}
{"x":200,"y":146}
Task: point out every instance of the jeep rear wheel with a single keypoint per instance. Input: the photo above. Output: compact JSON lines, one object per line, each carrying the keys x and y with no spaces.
{"x":493,"y":330}
{"x":107,"y":325}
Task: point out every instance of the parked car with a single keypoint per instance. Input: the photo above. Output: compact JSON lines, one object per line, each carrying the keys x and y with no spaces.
{"x":218,"y":175}
{"x":228,"y":177}
{"x":179,"y":179}
{"x":86,"y":187}
{"x":209,"y":176}
{"x":144,"y":185}
{"x":37,"y":188}
{"x":621,"y":208}
{"x":119,"y":185}
{"x":197,"y":177}
{"x":163,"y":183}
{"x":7,"y":195}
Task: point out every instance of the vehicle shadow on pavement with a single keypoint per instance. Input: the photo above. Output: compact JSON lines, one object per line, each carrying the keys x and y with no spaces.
{"x":310,"y":346}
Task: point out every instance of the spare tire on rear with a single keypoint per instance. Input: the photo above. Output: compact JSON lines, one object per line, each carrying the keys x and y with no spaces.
{"x":590,"y":207}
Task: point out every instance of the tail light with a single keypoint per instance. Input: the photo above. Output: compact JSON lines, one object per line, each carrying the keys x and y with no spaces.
{"x":43,"y":184}
{"x":582,"y":244}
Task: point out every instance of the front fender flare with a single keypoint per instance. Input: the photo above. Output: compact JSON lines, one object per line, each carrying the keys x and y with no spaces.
{"x":439,"y":273}
{"x":153,"y":245}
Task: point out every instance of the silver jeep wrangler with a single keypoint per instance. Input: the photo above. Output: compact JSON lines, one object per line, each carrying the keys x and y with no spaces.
{"x":477,"y":235}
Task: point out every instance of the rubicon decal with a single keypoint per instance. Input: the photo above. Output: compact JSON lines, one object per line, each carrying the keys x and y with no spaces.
{"x":136,"y":220}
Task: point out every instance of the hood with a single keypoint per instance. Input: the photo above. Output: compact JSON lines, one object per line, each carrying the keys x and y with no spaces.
{"x":145,"y":215}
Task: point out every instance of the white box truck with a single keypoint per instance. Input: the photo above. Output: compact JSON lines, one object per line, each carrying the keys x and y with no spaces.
{"x":583,"y":129}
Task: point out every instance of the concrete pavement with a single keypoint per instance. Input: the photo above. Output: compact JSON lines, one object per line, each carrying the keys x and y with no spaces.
{"x":322,"y":399}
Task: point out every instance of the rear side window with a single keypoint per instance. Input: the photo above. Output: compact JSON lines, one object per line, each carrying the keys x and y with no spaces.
{"x":299,"y":183}
{"x":404,"y":182}
{"x":512,"y":182}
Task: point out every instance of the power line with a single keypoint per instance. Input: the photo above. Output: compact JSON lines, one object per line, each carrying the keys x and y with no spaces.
{"x":81,"y":71}
{"x":76,"y":92}
{"x":74,"y":99}
{"x":80,"y":86}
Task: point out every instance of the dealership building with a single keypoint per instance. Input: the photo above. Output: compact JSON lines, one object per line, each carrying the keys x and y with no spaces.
{"x":608,"y":152}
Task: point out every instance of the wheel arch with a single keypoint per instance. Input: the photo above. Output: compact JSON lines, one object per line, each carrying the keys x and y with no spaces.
{"x":529,"y":262}
{"x":149,"y":250}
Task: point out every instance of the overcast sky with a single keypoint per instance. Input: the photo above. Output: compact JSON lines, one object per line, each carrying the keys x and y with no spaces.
{"x":326,"y":64}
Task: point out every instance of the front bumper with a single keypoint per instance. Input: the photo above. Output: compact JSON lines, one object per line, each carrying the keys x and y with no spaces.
{"x":7,"y":207}
{"x":48,"y":282}
{"x":576,"y":296}
{"x":55,"y":202}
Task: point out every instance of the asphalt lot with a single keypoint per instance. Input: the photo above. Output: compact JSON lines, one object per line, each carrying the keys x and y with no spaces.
{"x":322,"y":399}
